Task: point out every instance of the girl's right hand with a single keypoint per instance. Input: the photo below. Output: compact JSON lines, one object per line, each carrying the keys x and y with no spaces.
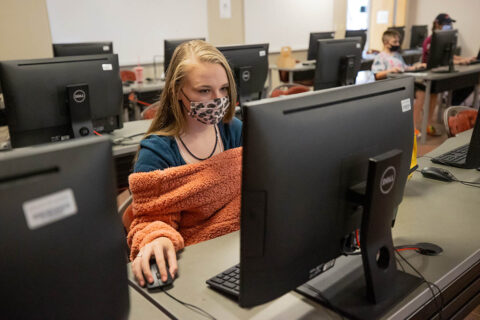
{"x":163,"y":251}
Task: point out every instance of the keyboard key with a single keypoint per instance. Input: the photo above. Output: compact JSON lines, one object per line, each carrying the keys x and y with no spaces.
{"x":232,"y":269}
{"x":229,"y":285}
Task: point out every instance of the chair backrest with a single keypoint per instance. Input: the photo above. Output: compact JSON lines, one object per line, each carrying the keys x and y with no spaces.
{"x":287,"y":89}
{"x":458,"y":119}
{"x":127,"y":75}
{"x":150,"y":111}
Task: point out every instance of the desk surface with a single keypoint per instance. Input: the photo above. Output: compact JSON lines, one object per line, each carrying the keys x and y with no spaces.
{"x":298,"y":67}
{"x":429,"y":75}
{"x":442,"y":213}
{"x":123,"y":144}
{"x":144,"y":87}
{"x":141,"y":308}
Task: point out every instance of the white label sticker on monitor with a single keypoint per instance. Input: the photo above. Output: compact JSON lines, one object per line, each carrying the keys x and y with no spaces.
{"x":357,"y":45}
{"x":106,"y":48}
{"x":261,"y":53}
{"x":406,"y":106}
{"x":107,"y":66}
{"x":48,"y":209}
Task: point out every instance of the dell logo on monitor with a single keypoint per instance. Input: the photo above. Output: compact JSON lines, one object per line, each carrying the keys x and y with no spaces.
{"x":79,"y":96}
{"x":246,"y":75}
{"x":388,"y":180}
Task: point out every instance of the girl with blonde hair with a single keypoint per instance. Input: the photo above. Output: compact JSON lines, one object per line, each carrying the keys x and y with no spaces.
{"x":194,"y":123}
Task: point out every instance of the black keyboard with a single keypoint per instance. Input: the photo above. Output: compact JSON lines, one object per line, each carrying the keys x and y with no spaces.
{"x":455,"y":158}
{"x":227,"y":281}
{"x":417,"y":70}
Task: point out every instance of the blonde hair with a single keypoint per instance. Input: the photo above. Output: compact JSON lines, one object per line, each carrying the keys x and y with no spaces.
{"x":170,"y":119}
{"x":389,"y":34}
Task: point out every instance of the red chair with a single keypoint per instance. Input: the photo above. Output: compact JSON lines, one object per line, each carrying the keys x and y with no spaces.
{"x":127,"y":75}
{"x":288,"y":89}
{"x":150,"y":111}
{"x":458,"y":119}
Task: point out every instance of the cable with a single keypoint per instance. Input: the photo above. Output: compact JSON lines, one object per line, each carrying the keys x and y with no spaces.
{"x":467,"y":183}
{"x":120,"y":141}
{"x":409,"y":248}
{"x":400,"y":263}
{"x":429,"y":284}
{"x":98,"y":134}
{"x":470,"y":184}
{"x":132,"y":98}
{"x":191,"y":307}
{"x":134,"y":135}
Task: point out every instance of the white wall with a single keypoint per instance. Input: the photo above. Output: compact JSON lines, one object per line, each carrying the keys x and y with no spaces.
{"x":137,"y":28}
{"x":286,"y":22}
{"x":466,"y":12}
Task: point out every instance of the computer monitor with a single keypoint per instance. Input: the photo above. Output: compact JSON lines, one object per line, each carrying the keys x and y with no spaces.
{"x":338,"y":62}
{"x":306,"y":158}
{"x":418,"y":35}
{"x":169,"y":46}
{"x":82,"y":48}
{"x":401,"y":31}
{"x":442,"y":49}
{"x":249,"y":64}
{"x":358,"y":33}
{"x":313,"y":44}
{"x":55,"y":99}
{"x":62,"y":241}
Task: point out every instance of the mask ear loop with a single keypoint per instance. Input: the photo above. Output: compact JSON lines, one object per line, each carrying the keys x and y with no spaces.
{"x":185,"y":95}
{"x":183,"y":104}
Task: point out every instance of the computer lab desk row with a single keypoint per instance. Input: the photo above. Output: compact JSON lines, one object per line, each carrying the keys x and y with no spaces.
{"x":464,"y":76}
{"x":410,"y":55}
{"x":446,"y":214}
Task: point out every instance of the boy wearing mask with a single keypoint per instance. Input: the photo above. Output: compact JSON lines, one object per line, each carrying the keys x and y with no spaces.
{"x":389,"y":60}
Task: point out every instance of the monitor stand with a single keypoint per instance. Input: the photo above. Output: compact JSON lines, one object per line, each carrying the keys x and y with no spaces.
{"x":373,"y":292}
{"x":79,"y":108}
{"x":448,"y":51}
{"x":346,"y":72}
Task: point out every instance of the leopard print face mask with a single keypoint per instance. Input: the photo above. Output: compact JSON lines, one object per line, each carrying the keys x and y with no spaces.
{"x":209,"y":112}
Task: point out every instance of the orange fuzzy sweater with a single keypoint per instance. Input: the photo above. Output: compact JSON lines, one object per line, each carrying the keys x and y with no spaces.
{"x":187,"y":204}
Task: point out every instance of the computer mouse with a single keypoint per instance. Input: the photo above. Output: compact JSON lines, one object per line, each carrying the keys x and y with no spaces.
{"x":157,"y":281}
{"x":438,"y":174}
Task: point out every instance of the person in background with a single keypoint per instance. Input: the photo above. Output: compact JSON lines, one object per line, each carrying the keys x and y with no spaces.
{"x":443,"y":21}
{"x":389,"y":60}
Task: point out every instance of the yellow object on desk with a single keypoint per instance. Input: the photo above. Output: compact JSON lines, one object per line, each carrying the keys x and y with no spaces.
{"x":413,"y":164}
{"x":286,"y":60}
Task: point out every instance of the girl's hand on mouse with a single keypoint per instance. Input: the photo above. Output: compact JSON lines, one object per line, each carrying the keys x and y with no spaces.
{"x":164,"y":252}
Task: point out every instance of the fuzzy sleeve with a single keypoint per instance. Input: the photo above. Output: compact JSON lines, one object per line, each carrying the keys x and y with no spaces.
{"x":144,"y":229}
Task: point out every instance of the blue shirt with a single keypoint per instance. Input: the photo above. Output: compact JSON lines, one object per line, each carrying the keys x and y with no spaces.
{"x":161,"y":152}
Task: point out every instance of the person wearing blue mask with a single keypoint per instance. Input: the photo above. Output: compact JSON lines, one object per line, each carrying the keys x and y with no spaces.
{"x":443,"y":21}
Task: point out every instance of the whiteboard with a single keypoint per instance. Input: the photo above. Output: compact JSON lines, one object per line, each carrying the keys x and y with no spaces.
{"x":137,"y":28}
{"x":286,"y":22}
